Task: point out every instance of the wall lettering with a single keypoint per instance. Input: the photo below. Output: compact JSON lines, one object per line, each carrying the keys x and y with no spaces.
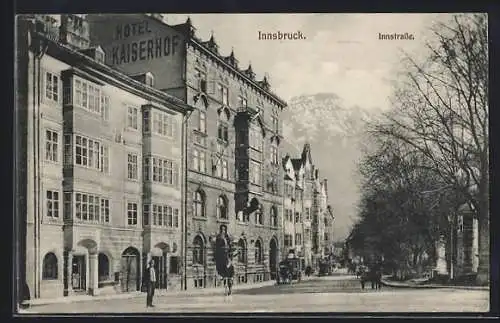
{"x":145,"y":49}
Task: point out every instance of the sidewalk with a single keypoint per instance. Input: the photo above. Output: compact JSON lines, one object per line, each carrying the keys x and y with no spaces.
{"x":389,"y":283}
{"x":190,"y":292}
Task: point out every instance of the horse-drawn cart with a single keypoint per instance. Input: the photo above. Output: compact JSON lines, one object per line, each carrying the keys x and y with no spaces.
{"x":288,"y":271}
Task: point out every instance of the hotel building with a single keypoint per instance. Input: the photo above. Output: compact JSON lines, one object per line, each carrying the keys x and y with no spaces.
{"x":99,"y":167}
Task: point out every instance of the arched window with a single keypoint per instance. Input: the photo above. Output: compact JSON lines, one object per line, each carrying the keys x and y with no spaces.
{"x":198,"y":204}
{"x":274,"y":216}
{"x":242,"y":254}
{"x":221,"y":207}
{"x":103,"y":267}
{"x":198,"y":248}
{"x":49,"y":266}
{"x":258,"y":252}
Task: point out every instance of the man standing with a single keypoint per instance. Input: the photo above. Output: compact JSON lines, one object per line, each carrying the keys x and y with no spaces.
{"x":151,"y":283}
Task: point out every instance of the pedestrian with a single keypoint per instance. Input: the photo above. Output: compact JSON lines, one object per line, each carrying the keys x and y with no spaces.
{"x":151,"y":283}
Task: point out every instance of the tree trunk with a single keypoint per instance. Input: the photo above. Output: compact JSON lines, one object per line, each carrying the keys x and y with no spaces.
{"x":483,"y":272}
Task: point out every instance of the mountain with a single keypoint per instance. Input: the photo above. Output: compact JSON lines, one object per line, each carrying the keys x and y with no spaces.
{"x":334,"y":132}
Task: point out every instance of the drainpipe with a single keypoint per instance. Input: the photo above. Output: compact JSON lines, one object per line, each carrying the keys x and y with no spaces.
{"x":40,"y":51}
{"x":184,"y":195}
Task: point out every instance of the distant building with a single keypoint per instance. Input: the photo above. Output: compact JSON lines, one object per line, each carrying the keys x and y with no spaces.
{"x":308,"y":220}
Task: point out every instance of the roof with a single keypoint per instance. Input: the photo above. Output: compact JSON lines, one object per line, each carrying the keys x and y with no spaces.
{"x":78,"y":59}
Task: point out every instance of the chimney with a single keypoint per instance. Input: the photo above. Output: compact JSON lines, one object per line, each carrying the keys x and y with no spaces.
{"x":75,"y":31}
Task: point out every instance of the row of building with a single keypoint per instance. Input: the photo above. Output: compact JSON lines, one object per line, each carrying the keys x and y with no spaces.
{"x":137,"y":140}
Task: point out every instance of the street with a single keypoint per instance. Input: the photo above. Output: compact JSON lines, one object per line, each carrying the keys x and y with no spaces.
{"x":320,"y":294}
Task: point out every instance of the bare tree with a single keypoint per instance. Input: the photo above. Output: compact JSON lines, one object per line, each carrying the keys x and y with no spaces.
{"x":441,"y":111}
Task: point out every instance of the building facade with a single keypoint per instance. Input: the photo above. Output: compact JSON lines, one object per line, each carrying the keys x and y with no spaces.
{"x":233,"y":140}
{"x":308,"y":219}
{"x":90,"y":159}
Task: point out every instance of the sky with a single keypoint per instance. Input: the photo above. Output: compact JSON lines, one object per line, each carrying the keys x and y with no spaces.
{"x":341,"y":54}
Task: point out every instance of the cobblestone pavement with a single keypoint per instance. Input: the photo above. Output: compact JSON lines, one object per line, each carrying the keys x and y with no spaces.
{"x":325,"y":294}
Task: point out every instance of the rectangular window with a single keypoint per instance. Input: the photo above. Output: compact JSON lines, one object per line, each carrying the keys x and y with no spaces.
{"x":132,"y":213}
{"x":202,"y":122}
{"x":52,"y":86}
{"x":87,"y":152}
{"x":164,"y":171}
{"x":256,"y":173}
{"x":132,"y":114}
{"x":255,"y":138}
{"x":298,"y":239}
{"x":199,"y":161}
{"x":105,"y":107}
{"x":104,"y":210}
{"x":53,"y":204}
{"x":222,"y":131}
{"x":163,"y":124}
{"x":162,"y":216}
{"x":132,"y":166}
{"x":224,"y":96}
{"x":87,"y":207}
{"x":51,"y":146}
{"x":94,"y":98}
{"x":104,"y":159}
{"x":88,"y":96}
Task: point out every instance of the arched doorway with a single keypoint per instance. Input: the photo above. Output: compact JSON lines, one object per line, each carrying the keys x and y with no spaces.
{"x":130,"y":270}
{"x":160,"y":256}
{"x":103,"y":267}
{"x":273,"y":257}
